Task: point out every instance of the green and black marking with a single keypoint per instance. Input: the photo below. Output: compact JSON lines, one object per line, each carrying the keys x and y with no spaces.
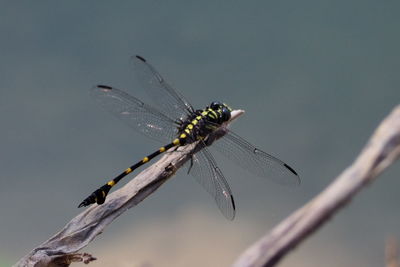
{"x":175,"y":119}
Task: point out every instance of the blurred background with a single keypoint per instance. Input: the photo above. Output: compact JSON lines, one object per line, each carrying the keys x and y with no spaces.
{"x":315,"y":79}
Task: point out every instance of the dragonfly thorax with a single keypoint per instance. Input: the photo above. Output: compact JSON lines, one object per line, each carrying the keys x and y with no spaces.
{"x":203,"y":122}
{"x":223,"y":110}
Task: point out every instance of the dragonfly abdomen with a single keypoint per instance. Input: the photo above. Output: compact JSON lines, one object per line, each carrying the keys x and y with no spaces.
{"x":99,"y":196}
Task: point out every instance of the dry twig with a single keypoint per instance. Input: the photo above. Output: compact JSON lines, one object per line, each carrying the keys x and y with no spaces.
{"x":382,"y":150}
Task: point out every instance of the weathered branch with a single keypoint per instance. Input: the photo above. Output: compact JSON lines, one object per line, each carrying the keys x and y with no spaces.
{"x":62,"y":248}
{"x":382,"y":150}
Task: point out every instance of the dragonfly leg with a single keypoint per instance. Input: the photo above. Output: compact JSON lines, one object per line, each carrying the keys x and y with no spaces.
{"x":191,"y":164}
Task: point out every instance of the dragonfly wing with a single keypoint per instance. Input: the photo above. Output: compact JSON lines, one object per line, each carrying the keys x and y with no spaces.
{"x":168,"y":99}
{"x":140,"y":116}
{"x":255,"y":160}
{"x":206,"y":172}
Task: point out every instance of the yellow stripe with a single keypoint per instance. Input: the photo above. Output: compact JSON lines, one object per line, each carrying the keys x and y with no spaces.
{"x":198,"y":118}
{"x":111,"y":183}
{"x":211,"y":115}
{"x":190,"y":126}
{"x":129,"y":170}
{"x":204,"y":113}
{"x":103,"y":193}
{"x":145,"y":159}
{"x":176,"y":142}
{"x":182,"y":136}
{"x":162,"y":149}
{"x":187,"y":131}
{"x":194,"y":122}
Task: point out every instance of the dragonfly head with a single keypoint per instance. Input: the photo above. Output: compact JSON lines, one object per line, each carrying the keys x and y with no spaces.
{"x":222,"y":109}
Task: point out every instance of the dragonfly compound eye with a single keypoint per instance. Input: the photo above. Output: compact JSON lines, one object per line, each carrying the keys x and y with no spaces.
{"x":225,"y":114}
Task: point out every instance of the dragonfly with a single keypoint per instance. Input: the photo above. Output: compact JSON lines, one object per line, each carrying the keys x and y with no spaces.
{"x":173,"y":120}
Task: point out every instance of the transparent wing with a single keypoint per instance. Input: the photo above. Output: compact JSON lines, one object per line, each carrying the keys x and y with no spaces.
{"x":140,"y":116}
{"x":255,"y":160}
{"x":168,"y":100}
{"x":207,"y":173}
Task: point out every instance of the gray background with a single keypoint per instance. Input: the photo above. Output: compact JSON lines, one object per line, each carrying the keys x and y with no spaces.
{"x":315,"y":79}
